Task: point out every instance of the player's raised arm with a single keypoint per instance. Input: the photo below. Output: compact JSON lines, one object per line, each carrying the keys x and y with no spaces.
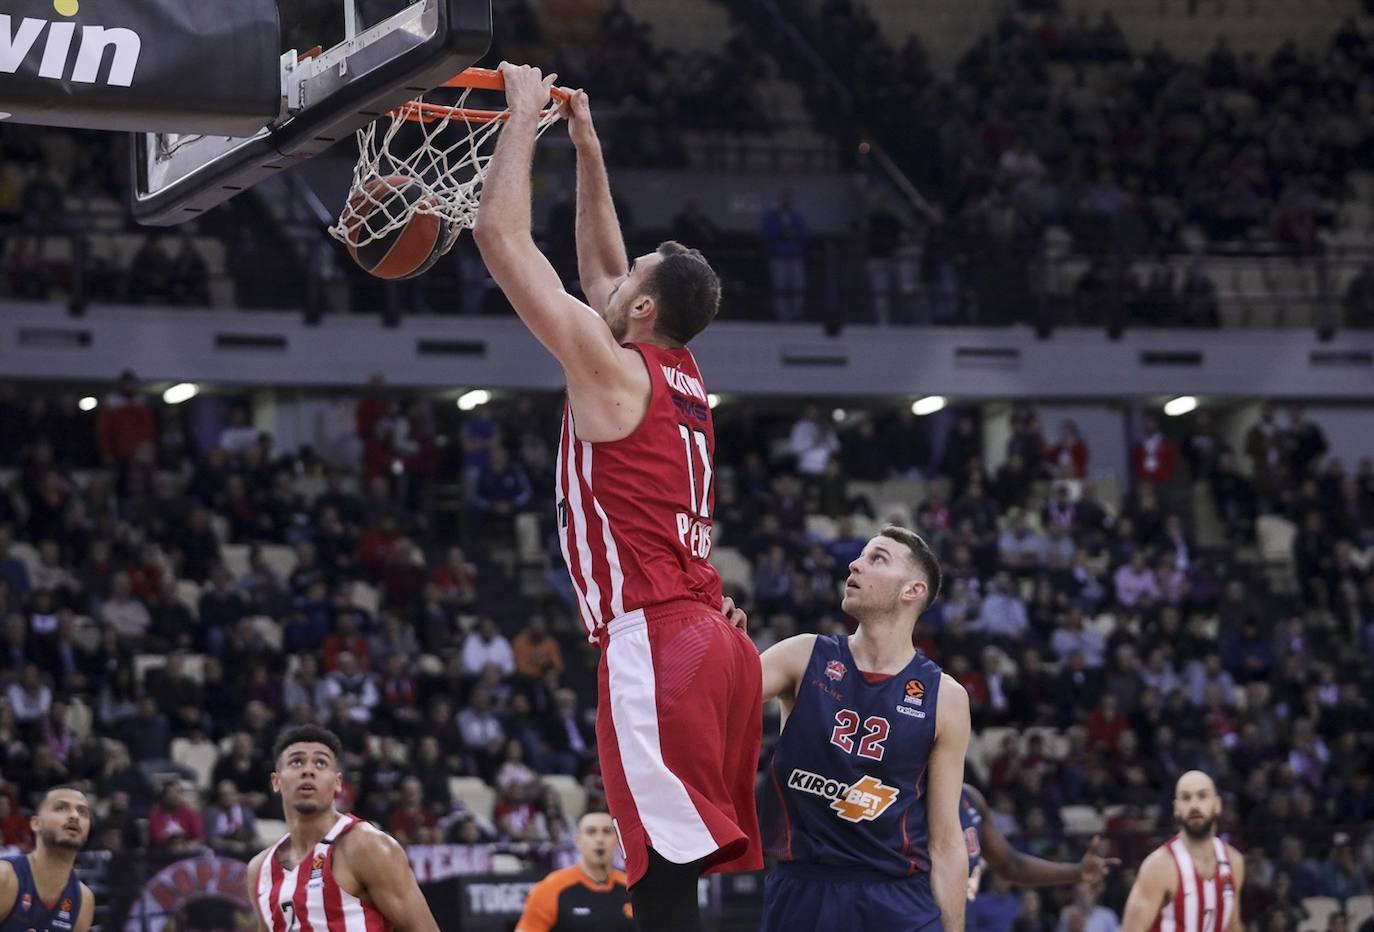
{"x":948,"y":850}
{"x":1028,"y":871}
{"x":1157,"y":877}
{"x":601,"y":258}
{"x":381,"y":867}
{"x":569,"y":329}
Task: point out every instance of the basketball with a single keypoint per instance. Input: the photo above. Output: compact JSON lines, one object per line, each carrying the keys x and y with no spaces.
{"x":413,"y":242}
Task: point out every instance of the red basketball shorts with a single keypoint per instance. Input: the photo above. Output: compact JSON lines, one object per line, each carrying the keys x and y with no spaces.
{"x":678,"y":723}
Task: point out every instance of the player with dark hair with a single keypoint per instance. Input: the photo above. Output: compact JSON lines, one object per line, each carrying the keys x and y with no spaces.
{"x":330,"y":872}
{"x":1192,"y":882}
{"x":679,"y":715}
{"x":861,"y":799}
{"x":590,"y":895}
{"x":987,"y":846}
{"x":39,"y":891}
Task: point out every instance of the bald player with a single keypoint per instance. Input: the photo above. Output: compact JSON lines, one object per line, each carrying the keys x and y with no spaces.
{"x":1192,"y":882}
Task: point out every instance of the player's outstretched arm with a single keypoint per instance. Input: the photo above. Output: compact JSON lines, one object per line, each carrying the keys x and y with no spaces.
{"x":948,"y":850}
{"x":1025,"y":870}
{"x":569,"y":329}
{"x":1154,"y":883}
{"x":601,"y":259}
{"x":87,"y":914}
{"x":380,"y":866}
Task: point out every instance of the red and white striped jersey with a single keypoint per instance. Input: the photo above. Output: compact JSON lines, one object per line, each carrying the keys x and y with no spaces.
{"x":1199,"y":904}
{"x":307,"y":898}
{"x":634,"y":515}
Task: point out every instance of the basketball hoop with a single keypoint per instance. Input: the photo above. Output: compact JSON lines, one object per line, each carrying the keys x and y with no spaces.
{"x":441,"y":176}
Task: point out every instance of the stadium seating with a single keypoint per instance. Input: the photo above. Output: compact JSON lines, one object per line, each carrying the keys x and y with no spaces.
{"x":1319,"y":910}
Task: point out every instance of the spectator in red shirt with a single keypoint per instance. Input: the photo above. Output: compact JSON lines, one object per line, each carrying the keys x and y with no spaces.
{"x":403,"y":578}
{"x":1067,"y":457}
{"x":398,"y":691}
{"x":375,"y":543}
{"x":346,"y":638}
{"x":148,"y":574}
{"x":1106,"y":723}
{"x":173,"y":825}
{"x":411,"y":821}
{"x":126,"y":421}
{"x":372,"y":407}
{"x":14,"y":825}
{"x":1154,"y":456}
{"x":517,"y":817}
{"x":457,"y":580}
{"x":1006,"y":766}
{"x":972,"y":681}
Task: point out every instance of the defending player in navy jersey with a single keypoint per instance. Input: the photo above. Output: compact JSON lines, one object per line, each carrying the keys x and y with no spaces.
{"x":861,"y":800}
{"x":987,"y":846}
{"x":40,"y":892}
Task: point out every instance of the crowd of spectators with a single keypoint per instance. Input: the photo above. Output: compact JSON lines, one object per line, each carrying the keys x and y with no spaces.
{"x":1125,"y":147}
{"x":434,"y":652}
{"x":1047,"y":121}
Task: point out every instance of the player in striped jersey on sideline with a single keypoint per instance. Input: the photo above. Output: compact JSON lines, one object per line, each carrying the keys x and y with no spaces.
{"x":1192,"y":882}
{"x":330,"y":872}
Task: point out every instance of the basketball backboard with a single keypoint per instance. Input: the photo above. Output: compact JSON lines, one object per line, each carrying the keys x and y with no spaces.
{"x":325,"y":98}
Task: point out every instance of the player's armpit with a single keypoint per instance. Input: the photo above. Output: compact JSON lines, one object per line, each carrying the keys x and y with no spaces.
{"x":380,"y":866}
{"x":945,"y":776}
{"x":87,"y":914}
{"x":784,"y":664}
{"x":1153,"y":884}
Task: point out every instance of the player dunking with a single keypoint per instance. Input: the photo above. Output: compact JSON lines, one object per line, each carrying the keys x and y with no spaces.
{"x":679,"y":714}
{"x":861,"y":800}
{"x":1192,"y":882}
{"x":330,"y":872}
{"x":40,"y":892}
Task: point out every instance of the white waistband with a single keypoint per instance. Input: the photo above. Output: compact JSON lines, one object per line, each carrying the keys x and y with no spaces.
{"x":626,"y":622}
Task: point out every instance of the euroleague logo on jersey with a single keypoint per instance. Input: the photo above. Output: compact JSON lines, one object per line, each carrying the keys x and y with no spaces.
{"x":862,"y":802}
{"x":915,"y":692}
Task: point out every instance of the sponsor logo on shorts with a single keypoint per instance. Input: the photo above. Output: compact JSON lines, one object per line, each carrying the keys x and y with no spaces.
{"x":835,"y":670}
{"x":907,"y":710}
{"x":862,"y":802}
{"x":915,"y":692}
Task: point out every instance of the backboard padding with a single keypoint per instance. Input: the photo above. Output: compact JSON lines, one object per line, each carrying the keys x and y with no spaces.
{"x":325,"y":99}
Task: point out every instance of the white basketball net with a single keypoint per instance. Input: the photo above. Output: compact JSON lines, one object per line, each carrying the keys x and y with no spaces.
{"x":447,"y":169}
